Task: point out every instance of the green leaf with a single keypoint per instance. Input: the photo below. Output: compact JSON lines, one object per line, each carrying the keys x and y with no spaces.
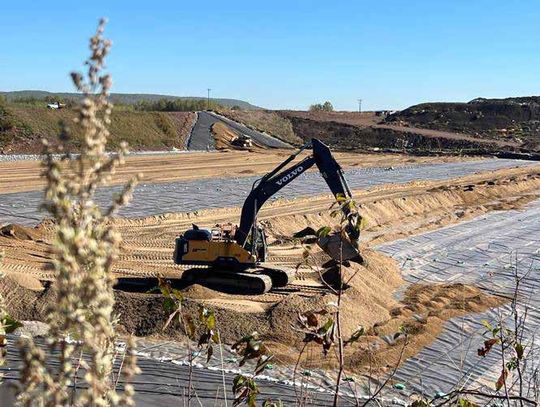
{"x":519,"y":350}
{"x":177,"y":294}
{"x":324,"y":231}
{"x":190,"y":325}
{"x":211,"y":321}
{"x":399,"y":386}
{"x":169,"y":304}
{"x":487,"y":325}
{"x":326,"y":327}
{"x":252,"y":402}
{"x":465,"y":403}
{"x":10,"y":324}
{"x":356,"y":335}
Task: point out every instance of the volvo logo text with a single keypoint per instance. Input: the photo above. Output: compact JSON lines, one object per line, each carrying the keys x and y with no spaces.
{"x":290,"y":175}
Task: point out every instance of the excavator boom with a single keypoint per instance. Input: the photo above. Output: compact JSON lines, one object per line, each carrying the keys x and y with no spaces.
{"x":277,"y":179}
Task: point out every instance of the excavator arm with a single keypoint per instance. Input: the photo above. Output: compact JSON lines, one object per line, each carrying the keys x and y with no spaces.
{"x":277,"y":179}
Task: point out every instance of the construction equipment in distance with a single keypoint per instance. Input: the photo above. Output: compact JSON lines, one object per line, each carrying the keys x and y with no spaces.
{"x":233,"y":258}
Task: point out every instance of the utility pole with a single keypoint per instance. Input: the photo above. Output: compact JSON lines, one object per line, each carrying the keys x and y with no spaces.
{"x":359,"y":105}
{"x":208,"y":99}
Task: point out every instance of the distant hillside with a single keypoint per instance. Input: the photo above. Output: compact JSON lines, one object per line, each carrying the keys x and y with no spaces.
{"x":22,"y":126}
{"x":126,"y":98}
{"x":512,"y":119}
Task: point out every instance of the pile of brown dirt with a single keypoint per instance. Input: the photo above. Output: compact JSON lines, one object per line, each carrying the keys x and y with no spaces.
{"x":511,"y":119}
{"x":359,"y":119}
{"x":19,"y":232}
{"x":199,"y":292}
{"x":422,"y":314}
{"x":368,"y":302}
{"x":224,"y":137}
{"x":19,"y":301}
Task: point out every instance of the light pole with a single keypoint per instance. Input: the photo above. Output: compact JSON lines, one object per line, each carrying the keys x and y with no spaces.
{"x":359,"y":105}
{"x":208,"y":99}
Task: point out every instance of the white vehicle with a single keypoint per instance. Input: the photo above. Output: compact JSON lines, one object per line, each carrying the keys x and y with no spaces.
{"x":56,"y":105}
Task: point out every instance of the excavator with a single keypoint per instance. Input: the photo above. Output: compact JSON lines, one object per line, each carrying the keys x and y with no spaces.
{"x":233,"y":258}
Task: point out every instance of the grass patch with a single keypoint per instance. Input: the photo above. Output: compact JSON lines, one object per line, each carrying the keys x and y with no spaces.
{"x":142,"y":130}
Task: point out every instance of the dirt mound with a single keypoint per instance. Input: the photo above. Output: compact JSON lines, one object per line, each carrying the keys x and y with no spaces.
{"x":421,"y":314}
{"x":223,"y":135}
{"x":19,"y":301}
{"x":228,"y":139}
{"x":26,"y":281}
{"x":360,"y":119}
{"x":349,"y":137}
{"x":19,"y":232}
{"x":199,"y":292}
{"x":515,"y":119}
{"x":368,"y":302}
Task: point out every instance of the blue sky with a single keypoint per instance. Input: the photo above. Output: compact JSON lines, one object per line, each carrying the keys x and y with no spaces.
{"x":283,"y":54}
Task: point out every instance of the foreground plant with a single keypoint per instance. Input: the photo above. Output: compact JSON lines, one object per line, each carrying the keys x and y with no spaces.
{"x":82,"y":322}
{"x":245,"y":387}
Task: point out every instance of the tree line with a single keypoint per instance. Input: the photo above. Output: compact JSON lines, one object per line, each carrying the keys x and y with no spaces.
{"x":176,"y":105}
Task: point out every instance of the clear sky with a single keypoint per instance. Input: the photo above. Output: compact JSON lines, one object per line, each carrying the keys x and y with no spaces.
{"x":283,"y":54}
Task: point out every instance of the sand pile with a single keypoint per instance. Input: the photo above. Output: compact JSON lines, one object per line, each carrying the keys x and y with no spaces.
{"x":199,"y":292}
{"x":19,"y":301}
{"x":368,"y":301}
{"x":19,"y":232}
{"x":223,"y":135}
{"x":422,"y":313}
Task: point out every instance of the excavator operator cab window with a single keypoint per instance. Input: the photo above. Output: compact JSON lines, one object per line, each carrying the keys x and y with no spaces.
{"x":198,"y":234}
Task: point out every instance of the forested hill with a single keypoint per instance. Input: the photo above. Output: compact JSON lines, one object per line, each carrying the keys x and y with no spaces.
{"x":124,"y":98}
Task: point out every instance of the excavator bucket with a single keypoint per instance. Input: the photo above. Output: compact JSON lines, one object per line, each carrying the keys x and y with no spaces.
{"x":340,"y":248}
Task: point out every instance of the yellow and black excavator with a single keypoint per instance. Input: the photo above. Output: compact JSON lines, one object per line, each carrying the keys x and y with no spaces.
{"x":233,"y":258}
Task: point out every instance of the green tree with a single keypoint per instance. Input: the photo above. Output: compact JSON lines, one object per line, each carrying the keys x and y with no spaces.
{"x":322,"y":107}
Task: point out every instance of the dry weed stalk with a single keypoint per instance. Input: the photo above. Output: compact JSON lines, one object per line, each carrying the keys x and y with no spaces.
{"x":3,"y":340}
{"x":84,"y":248}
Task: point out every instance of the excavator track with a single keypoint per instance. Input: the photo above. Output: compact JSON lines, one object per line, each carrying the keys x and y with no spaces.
{"x":254,"y":281}
{"x":281,"y":276}
{"x":246,"y":282}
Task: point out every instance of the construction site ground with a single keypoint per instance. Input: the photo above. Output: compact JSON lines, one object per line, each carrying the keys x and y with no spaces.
{"x":413,"y":210}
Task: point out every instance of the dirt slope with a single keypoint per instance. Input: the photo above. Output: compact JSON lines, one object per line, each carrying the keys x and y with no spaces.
{"x":22,"y":127}
{"x":511,"y":120}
